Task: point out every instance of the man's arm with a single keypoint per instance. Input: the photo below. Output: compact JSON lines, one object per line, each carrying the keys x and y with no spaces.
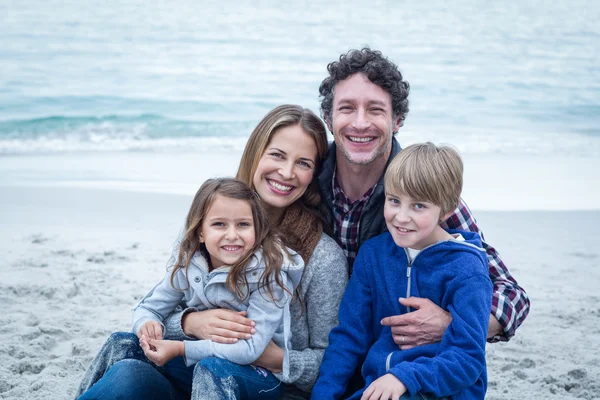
{"x":510,"y":303}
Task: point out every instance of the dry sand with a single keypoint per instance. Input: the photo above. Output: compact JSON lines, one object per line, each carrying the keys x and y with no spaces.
{"x":75,"y":261}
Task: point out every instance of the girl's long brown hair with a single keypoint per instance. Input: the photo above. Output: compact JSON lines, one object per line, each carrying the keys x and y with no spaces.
{"x":272,"y":248}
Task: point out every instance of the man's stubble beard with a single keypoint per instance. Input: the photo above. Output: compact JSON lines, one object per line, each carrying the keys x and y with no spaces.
{"x":380,"y":152}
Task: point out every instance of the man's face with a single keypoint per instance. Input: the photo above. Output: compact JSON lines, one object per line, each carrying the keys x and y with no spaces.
{"x":362,"y":121}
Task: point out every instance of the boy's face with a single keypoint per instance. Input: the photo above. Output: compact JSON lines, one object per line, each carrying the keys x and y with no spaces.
{"x":411,"y":222}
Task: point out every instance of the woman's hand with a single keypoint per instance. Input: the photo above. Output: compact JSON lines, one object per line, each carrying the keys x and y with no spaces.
{"x":152,"y":330}
{"x":425,"y":325}
{"x":219,"y":325}
{"x":384,"y":388}
{"x":271,"y":358}
{"x":161,"y":352}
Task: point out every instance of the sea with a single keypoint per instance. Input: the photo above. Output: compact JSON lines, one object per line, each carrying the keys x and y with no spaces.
{"x":517,"y":78}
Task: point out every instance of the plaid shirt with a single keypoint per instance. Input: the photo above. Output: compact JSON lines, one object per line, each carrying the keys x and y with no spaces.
{"x":510,"y":303}
{"x":346,"y":219}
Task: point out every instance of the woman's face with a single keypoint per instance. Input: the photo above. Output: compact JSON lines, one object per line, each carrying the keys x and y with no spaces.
{"x":285,"y":169}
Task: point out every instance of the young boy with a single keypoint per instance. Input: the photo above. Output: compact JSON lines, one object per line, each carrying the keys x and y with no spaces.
{"x":415,"y":258}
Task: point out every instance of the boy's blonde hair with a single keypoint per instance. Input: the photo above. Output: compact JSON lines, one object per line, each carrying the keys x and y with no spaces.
{"x":427,"y":172}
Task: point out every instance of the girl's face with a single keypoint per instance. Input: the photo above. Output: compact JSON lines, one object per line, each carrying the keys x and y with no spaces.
{"x":285,"y":169}
{"x":227,"y":230}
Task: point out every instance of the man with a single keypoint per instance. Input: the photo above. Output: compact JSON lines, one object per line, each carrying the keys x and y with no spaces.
{"x":364,"y":103}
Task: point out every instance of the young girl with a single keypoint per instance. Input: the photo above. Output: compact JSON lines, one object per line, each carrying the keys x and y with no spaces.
{"x":228,"y":258}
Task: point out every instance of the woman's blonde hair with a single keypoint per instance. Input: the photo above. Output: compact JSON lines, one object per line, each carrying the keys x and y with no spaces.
{"x":427,"y":172}
{"x":272,"y":248}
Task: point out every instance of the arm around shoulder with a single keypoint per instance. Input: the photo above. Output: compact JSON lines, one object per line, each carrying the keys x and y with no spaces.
{"x":510,"y":303}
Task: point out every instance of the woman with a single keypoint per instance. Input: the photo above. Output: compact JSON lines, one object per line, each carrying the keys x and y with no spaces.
{"x":281,"y":160}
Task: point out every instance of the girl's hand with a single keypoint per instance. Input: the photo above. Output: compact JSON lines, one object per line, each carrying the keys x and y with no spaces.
{"x":384,"y":388}
{"x":161,"y":352}
{"x":271,"y":358}
{"x":219,"y":325}
{"x":151,"y":329}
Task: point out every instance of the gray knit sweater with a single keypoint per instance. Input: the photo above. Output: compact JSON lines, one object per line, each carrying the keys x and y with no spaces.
{"x":322,"y":286}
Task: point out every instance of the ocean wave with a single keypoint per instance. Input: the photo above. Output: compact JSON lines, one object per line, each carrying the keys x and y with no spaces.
{"x":101,"y":143}
{"x":144,"y":126}
{"x":155,"y":133}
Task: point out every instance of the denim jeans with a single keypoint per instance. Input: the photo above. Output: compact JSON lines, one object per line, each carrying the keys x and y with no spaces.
{"x":122,"y":371}
{"x":216,"y":378}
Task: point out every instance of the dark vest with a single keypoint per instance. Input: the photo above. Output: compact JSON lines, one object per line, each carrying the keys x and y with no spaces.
{"x":372,"y":222}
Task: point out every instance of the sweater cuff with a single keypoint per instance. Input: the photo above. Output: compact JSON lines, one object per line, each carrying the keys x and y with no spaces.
{"x":174,"y":326}
{"x":304,"y":368}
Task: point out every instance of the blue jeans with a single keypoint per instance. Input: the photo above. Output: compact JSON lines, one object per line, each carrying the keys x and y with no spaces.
{"x":122,"y":371}
{"x":222,"y":379}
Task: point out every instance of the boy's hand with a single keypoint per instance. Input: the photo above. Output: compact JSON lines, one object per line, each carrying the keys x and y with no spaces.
{"x":384,"y":388}
{"x":152,"y":330}
{"x":161,"y":352}
{"x":425,"y":325}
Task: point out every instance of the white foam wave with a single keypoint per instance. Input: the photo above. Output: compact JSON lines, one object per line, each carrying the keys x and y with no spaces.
{"x":467,"y":141}
{"x":102,"y":143}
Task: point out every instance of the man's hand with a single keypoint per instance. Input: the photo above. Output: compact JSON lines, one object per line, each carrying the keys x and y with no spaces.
{"x":384,"y":388}
{"x":425,"y":325}
{"x":219,"y":325}
{"x":271,"y":358}
{"x":152,"y":330}
{"x":161,"y":352}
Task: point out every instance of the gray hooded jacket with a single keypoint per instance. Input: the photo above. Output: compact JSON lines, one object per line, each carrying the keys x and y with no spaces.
{"x":203,"y":290}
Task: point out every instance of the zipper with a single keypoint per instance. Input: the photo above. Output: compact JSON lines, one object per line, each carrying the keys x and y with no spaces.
{"x":408,"y":272}
{"x":388,"y":360}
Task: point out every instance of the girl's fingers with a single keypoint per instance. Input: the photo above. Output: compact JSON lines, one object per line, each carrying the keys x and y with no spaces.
{"x":152,"y":330}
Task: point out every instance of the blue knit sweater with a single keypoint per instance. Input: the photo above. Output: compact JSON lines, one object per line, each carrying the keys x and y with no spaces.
{"x":452,"y":274}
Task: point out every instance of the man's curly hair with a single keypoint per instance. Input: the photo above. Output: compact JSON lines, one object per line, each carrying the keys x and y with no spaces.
{"x":377,"y":68}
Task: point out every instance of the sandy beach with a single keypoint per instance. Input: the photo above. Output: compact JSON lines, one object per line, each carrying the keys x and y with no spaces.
{"x":79,"y":252}
{"x":113,"y":113}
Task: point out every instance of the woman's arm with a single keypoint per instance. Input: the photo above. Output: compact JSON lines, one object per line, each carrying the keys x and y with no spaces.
{"x":219,"y":325}
{"x":267,"y":315}
{"x":351,"y":339}
{"x":327,"y":273}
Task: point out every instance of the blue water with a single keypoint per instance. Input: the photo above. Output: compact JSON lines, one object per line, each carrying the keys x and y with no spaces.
{"x":134,"y":75}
